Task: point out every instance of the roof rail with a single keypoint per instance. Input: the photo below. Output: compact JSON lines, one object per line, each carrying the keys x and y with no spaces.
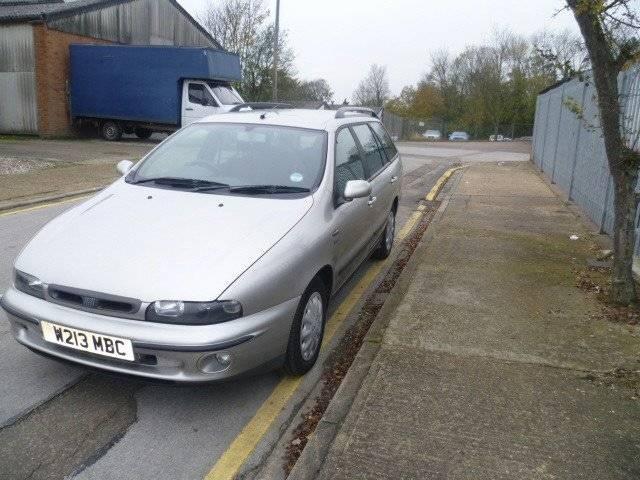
{"x":342,"y":112}
{"x":260,"y":106}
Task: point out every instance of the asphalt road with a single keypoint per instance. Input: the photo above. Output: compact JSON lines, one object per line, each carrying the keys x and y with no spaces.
{"x":58,"y":420}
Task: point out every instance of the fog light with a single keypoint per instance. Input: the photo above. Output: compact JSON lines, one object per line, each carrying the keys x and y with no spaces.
{"x":223,"y":358}
{"x":215,"y":362}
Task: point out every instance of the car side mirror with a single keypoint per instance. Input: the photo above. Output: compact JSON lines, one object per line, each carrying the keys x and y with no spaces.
{"x":124,"y":166}
{"x":356,"y":189}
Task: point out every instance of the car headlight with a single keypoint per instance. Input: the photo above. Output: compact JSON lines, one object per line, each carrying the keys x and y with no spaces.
{"x":28,"y":284}
{"x":193,"y":313}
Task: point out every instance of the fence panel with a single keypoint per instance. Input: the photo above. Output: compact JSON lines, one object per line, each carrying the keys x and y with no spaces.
{"x":570,"y":150}
{"x":539,"y":126}
{"x":554,"y":110}
{"x":569,"y":128}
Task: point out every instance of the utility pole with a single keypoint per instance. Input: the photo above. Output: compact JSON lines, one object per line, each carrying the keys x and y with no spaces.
{"x":275,"y":53}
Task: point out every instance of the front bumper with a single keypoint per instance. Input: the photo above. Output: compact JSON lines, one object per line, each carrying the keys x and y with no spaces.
{"x":180,"y":353}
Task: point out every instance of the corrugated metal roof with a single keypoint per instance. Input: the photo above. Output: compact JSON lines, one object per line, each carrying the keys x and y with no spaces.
{"x":27,"y":11}
{"x":16,"y":12}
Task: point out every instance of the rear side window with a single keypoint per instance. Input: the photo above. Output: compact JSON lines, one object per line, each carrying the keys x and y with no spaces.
{"x":349,"y":164}
{"x":385,"y":140}
{"x":374,"y":158}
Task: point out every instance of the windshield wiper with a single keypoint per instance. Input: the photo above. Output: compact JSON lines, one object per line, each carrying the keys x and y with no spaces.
{"x":192,"y":183}
{"x":269,"y":189}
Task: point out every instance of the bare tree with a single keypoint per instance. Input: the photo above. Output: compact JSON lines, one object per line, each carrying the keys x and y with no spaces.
{"x":610,"y":31}
{"x":563,"y":51}
{"x":242,"y":27}
{"x":373,"y":90}
{"x":236,"y":24}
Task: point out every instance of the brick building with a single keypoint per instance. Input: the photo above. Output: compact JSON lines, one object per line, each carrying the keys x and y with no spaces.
{"x":34,"y":50}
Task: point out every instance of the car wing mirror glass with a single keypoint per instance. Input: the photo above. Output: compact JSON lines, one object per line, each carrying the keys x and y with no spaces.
{"x":124,"y":166}
{"x":356,"y":189}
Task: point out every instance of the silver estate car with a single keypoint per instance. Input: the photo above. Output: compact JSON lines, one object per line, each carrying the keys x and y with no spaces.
{"x":218,"y":252}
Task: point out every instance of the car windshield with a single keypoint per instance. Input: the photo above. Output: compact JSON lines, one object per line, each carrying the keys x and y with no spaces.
{"x":230,"y":155}
{"x":226,"y":94}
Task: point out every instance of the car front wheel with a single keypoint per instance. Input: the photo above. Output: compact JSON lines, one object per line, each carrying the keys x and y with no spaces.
{"x":307,"y":329}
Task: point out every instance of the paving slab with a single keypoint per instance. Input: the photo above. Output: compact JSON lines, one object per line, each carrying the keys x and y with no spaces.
{"x":476,"y":418}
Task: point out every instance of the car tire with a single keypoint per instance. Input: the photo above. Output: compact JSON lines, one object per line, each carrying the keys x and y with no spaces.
{"x":307,"y":329}
{"x":386,"y":241}
{"x":143,"y":133}
{"x":111,"y":131}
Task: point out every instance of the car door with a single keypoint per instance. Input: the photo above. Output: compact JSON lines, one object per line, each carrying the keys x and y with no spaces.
{"x":391,"y":176}
{"x":351,"y":218}
{"x":197,"y":102}
{"x":374,"y":166}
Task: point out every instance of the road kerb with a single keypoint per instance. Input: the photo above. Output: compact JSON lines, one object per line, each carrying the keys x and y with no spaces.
{"x":229,"y":464}
{"x":231,"y":461}
{"x":433,"y":193}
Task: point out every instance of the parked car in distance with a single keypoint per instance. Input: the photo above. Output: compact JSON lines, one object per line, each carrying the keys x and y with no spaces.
{"x":459,"y":137}
{"x":500,"y":138}
{"x":432,"y":135}
{"x":218,"y":252}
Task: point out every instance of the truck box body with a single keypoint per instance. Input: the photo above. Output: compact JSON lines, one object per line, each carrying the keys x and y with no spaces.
{"x":141,"y":83}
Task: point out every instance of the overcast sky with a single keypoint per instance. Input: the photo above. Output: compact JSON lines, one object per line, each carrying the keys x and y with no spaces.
{"x":339,"y":39}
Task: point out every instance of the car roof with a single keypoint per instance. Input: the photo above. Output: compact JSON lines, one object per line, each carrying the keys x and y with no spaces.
{"x":290,"y":117}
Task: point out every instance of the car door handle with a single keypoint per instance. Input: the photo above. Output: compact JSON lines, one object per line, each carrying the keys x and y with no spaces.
{"x":393,"y":179}
{"x":372,"y":200}
{"x":189,"y":109}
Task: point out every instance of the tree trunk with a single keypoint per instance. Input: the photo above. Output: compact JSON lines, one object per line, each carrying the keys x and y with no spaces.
{"x":623,"y":163}
{"x":623,"y":289}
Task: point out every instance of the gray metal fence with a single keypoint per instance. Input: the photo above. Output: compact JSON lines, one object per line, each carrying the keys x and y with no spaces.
{"x":570,"y":150}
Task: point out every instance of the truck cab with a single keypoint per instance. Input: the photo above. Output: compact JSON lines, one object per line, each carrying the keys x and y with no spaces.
{"x":201,"y":98}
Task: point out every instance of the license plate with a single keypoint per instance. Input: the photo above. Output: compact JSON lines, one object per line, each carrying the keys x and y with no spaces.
{"x":88,"y":341}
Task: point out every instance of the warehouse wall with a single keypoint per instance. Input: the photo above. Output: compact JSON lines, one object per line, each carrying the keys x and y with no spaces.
{"x":18,"y":113}
{"x":34,"y":61}
{"x":52,"y":78}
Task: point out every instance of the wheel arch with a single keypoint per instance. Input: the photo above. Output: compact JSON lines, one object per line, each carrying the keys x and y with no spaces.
{"x":325,"y":274}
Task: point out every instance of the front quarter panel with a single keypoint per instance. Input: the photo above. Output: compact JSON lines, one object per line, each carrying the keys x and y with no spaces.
{"x":285,"y":271}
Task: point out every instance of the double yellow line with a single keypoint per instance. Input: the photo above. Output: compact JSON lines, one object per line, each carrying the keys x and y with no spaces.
{"x":229,"y":464}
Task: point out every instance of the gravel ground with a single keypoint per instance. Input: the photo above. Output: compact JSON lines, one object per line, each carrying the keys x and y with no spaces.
{"x":17,"y":166}
{"x":31,"y":168}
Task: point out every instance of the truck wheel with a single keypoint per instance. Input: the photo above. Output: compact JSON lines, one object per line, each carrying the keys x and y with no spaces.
{"x":111,"y":131}
{"x":143,"y":133}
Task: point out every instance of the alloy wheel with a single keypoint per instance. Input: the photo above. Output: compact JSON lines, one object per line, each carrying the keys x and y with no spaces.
{"x":311,"y":328}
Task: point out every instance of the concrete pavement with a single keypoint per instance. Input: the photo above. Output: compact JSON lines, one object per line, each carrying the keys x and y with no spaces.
{"x":493,"y":364}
